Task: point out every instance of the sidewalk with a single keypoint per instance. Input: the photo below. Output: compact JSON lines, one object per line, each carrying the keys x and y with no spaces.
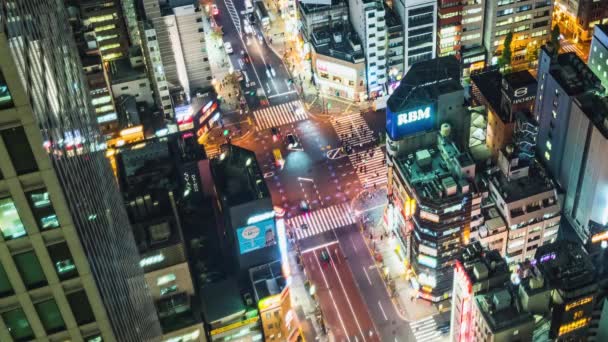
{"x":385,"y":249}
{"x":303,"y":304}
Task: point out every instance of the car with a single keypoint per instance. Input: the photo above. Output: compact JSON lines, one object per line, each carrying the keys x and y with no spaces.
{"x":324,"y":256}
{"x":291,"y":140}
{"x":228,"y":48}
{"x":276,"y":134}
{"x":214,"y":10}
{"x":248,"y":29}
{"x":304,"y":206}
{"x":278,"y":158}
{"x":245,"y":57}
{"x":270,"y":69}
{"x":444,"y":329}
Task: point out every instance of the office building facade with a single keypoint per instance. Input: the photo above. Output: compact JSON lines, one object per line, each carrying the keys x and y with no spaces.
{"x":367,"y":18}
{"x":560,"y":79}
{"x":598,"y":54}
{"x":530,"y":23}
{"x":69,"y":261}
{"x":419,"y":20}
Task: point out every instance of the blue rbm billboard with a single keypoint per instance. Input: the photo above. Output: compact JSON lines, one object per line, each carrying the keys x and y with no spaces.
{"x":411,"y":121}
{"x":255,"y":236}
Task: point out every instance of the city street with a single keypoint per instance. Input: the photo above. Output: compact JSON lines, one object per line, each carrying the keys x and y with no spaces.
{"x":343,"y":308}
{"x":330,"y":158}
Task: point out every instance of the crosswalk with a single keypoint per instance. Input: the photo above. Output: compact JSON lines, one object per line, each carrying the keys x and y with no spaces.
{"x":279,"y":115}
{"x":319,"y":221}
{"x":370,"y":167}
{"x":426,"y":330}
{"x":234,"y":15}
{"x":353,"y":130}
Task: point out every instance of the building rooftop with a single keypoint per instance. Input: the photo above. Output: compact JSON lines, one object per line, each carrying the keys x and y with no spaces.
{"x":424,"y":82}
{"x":524,"y":178}
{"x":312,"y":8}
{"x":519,"y":79}
{"x":573,"y":74}
{"x":484,"y":268}
{"x":341,"y":44}
{"x":238,"y":177}
{"x":439,"y":176}
{"x":566,"y":265}
{"x":501,"y":309}
{"x":122,"y":71}
{"x":596,"y":109}
{"x":489,"y":84}
{"x":267,"y":280}
{"x":221,"y":300}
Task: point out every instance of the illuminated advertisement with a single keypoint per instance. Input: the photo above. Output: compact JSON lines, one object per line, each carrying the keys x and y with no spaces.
{"x":255,"y":236}
{"x":572,"y":316}
{"x":408,"y":122}
{"x":183,"y":116}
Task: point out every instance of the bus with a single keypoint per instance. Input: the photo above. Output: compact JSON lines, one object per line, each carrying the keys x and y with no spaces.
{"x":262,"y":14}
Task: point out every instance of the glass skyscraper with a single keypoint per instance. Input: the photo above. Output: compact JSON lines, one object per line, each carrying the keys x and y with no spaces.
{"x":69,"y":266}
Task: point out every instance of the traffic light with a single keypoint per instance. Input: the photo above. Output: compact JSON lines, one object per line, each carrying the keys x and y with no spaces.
{"x":290,"y":81}
{"x":328,"y":105}
{"x":252,"y":93}
{"x":226,"y":132}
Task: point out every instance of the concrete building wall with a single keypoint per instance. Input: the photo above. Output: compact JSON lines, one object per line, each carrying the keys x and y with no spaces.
{"x":193,"y":47}
{"x":139,"y":88}
{"x":419,"y":19}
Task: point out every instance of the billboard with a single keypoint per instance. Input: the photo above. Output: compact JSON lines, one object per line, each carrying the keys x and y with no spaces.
{"x":255,"y":236}
{"x":409,"y":122}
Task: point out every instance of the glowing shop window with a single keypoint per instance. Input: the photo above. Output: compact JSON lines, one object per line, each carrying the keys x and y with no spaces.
{"x":10,"y":222}
{"x":167,"y":278}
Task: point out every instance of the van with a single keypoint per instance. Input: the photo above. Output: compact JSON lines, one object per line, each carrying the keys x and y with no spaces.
{"x":248,"y":6}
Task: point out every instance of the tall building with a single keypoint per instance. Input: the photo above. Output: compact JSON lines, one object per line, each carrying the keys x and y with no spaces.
{"x":104,"y":28}
{"x":436,"y":189}
{"x":577,"y":18}
{"x":70,"y":266}
{"x":527,"y":200}
{"x":560,"y":79}
{"x":598,"y":54}
{"x":155,"y":68}
{"x":419,"y":19}
{"x":476,"y":271}
{"x":181,"y":42}
{"x":367,"y":18}
{"x":585,"y":169}
{"x":394,"y":55}
{"x":570,"y":274}
{"x":529,"y":22}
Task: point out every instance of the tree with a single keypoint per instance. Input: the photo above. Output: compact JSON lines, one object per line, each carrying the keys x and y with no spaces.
{"x":555,"y":33}
{"x":532,"y":53}
{"x":505,"y":58}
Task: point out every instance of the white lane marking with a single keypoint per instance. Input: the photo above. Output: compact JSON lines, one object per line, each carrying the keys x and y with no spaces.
{"x":332,"y":298}
{"x":367,"y":276}
{"x":350,"y":305}
{"x":382,"y":309}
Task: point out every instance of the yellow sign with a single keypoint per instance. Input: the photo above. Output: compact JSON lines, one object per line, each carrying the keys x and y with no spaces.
{"x":579,"y":302}
{"x":234,"y":325}
{"x":269,"y":302}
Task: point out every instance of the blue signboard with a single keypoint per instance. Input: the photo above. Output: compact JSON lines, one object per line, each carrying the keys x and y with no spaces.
{"x":408,"y":122}
{"x":255,"y":236}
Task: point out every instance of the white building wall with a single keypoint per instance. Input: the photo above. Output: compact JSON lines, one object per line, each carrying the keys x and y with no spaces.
{"x":157,"y":71}
{"x":193,"y":49}
{"x":413,"y":31}
{"x":139,"y":88}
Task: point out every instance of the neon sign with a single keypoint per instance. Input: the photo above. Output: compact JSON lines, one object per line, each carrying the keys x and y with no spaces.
{"x":413,"y":116}
{"x":260,"y":217}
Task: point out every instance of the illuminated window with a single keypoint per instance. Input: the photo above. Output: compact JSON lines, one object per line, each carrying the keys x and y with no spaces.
{"x":105,"y":28}
{"x":6,"y":100}
{"x":167,"y":278}
{"x":101,"y":18}
{"x":109,"y":46}
{"x":168,"y":290}
{"x":17,"y":324}
{"x":10,"y":222}
{"x":548,"y":145}
{"x":42,"y":208}
{"x":554,"y":113}
{"x":101,"y":100}
{"x":106,"y":37}
{"x":547,"y":155}
{"x":62,"y":260}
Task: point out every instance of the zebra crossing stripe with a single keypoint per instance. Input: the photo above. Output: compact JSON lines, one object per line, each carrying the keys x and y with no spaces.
{"x":321,"y":220}
{"x":279,"y":115}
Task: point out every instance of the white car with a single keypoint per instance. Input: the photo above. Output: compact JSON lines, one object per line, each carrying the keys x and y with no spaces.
{"x":247,"y":27}
{"x":228,"y":48}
